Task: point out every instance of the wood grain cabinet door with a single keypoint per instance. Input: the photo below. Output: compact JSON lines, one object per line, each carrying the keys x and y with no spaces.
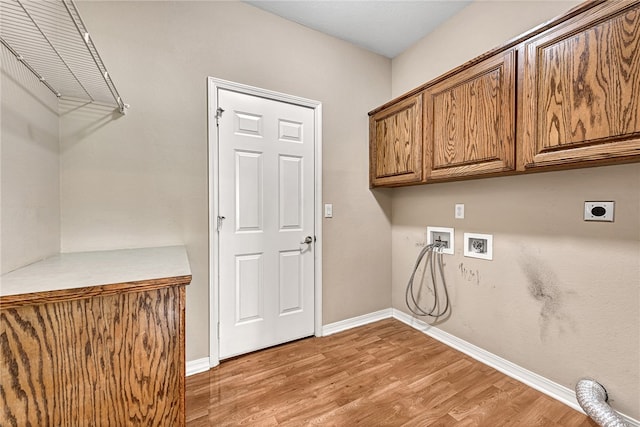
{"x":581,"y":89}
{"x":469,"y":123}
{"x":395,"y":144}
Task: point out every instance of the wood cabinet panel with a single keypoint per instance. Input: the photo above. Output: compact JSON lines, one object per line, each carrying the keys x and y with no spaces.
{"x":105,"y":360}
{"x":395,"y":144}
{"x":581,"y":88}
{"x":469,"y":121}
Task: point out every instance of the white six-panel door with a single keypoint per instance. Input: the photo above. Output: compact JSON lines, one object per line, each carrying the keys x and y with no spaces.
{"x":266,"y":210}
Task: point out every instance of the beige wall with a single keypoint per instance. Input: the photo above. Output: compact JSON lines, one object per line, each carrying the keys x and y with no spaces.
{"x":561,"y":296}
{"x":141,"y":180}
{"x":30,"y":191}
{"x":477,"y":28}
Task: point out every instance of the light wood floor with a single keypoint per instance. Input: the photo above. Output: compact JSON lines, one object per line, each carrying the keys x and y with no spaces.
{"x":381,"y":374}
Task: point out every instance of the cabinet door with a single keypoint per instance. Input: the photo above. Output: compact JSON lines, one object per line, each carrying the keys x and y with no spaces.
{"x":581,"y":89}
{"x":395,"y":144}
{"x":469,"y":121}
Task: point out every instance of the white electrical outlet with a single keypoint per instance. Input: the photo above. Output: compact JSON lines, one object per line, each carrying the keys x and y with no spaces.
{"x":444,"y":236}
{"x":459,"y":211}
{"x":598,"y":211}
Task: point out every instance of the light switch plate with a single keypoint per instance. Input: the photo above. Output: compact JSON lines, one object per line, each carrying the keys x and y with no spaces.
{"x":328,"y":210}
{"x":598,"y":211}
{"x":459,"y":211}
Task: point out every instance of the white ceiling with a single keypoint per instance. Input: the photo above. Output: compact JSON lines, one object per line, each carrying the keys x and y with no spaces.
{"x":387,"y":27}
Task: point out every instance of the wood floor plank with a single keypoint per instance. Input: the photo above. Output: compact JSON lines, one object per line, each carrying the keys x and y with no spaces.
{"x":382,"y":374}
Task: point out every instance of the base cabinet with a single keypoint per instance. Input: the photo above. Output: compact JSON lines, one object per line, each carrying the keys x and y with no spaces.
{"x":581,"y":89}
{"x":108,"y":360}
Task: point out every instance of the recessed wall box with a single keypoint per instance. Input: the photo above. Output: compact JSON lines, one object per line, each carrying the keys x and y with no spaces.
{"x":478,"y":245}
{"x":443,"y":236}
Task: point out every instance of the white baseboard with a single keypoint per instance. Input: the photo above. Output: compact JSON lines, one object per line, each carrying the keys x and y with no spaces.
{"x":533,"y":380}
{"x":343,"y":325}
{"x":197,"y":366}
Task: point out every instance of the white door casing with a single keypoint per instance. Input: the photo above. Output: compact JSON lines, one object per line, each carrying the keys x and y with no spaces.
{"x":264,"y":182}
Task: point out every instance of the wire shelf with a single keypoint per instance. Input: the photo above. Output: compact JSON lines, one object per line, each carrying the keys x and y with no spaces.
{"x":51,"y":40}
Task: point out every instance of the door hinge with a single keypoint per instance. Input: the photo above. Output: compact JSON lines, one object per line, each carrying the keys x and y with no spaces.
{"x":219,"y":224}
{"x":219,"y":112}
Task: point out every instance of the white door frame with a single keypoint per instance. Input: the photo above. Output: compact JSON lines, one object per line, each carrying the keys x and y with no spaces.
{"x":213,"y":84}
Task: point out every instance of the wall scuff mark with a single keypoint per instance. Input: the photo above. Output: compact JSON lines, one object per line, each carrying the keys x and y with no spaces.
{"x":543,"y":286}
{"x":469,"y":275}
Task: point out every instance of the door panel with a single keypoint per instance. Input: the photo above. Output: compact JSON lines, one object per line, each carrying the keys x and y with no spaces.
{"x":291,"y":280}
{"x":266,"y":192}
{"x":291,"y":207}
{"x":249,"y":187}
{"x":249,"y":288}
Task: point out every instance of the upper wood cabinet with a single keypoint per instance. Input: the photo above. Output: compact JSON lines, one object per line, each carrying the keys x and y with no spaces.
{"x":469,"y":120}
{"x":581,"y":89}
{"x":395,"y":144}
{"x":564,"y":95}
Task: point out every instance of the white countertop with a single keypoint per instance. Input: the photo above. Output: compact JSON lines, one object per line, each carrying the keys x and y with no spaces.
{"x":83,"y":269}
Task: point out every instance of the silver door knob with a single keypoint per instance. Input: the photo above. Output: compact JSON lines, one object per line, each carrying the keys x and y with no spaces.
{"x":308,"y":240}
